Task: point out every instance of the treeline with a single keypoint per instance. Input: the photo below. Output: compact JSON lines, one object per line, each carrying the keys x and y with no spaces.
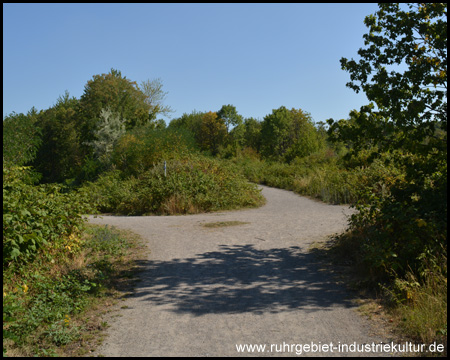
{"x":77,"y":139}
{"x":73,"y":138}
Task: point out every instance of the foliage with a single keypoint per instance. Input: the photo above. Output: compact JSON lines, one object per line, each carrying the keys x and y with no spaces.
{"x":46,"y":302}
{"x":212,"y":132}
{"x":407,"y":220}
{"x":21,"y":137}
{"x":190,"y":122}
{"x":317,"y":175}
{"x":187,"y":121}
{"x":287,"y":134}
{"x":415,"y":212}
{"x":418,"y":38}
{"x":36,"y":216}
{"x":138,"y":150}
{"x":109,"y":131}
{"x":110,"y":190}
{"x":252,"y":133}
{"x":412,"y":102}
{"x":121,"y":95}
{"x":229,"y":116}
{"x":217,"y":133}
{"x":420,"y":304}
{"x":59,"y":156}
{"x":191,"y":185}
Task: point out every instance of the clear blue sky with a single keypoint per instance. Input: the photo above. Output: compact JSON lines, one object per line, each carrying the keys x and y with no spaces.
{"x":256,"y":57}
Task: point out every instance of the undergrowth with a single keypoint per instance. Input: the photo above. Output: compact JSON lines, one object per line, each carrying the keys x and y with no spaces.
{"x":48,"y":303}
{"x":187,"y":186}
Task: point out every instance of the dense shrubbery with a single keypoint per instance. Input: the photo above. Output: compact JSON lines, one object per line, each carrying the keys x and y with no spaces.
{"x":47,"y":303}
{"x":36,"y":216}
{"x":192,"y":185}
{"x":404,"y":223}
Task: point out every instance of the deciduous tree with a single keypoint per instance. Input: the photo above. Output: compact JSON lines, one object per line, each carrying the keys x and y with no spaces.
{"x":212,"y":133}
{"x":114,"y":91}
{"x":403,"y":70}
{"x":286,"y":134}
{"x":230,"y":116}
{"x":59,"y":156}
{"x":154,"y":97}
{"x":21,"y":137}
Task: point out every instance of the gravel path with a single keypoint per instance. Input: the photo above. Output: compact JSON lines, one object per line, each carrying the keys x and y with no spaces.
{"x":206,"y":290}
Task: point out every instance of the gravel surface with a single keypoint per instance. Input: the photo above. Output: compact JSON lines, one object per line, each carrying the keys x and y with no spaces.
{"x":205,"y":290}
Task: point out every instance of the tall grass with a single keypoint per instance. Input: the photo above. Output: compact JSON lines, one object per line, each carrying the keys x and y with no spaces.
{"x":318,"y":175}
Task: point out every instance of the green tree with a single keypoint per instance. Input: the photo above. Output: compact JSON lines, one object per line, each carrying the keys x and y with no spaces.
{"x":286,"y":134}
{"x":275,"y":132}
{"x":403,"y":70}
{"x":304,"y":136}
{"x":229,"y":116}
{"x":141,"y":148}
{"x":191,"y":122}
{"x":21,"y":137}
{"x":160,"y":124}
{"x":59,"y":157}
{"x":114,"y":91}
{"x":212,"y":132}
{"x":252,"y":135}
{"x":351,"y":134}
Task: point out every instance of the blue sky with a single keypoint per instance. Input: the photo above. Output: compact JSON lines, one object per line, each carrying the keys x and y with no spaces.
{"x":256,"y":57}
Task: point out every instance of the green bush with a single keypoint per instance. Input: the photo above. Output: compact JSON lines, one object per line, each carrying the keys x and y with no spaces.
{"x":49,"y":303}
{"x":110,"y":190}
{"x":34,"y":216}
{"x":192,"y":185}
{"x":401,"y":219}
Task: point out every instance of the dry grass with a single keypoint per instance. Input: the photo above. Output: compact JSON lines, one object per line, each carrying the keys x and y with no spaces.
{"x":178,"y":204}
{"x":223,"y":224}
{"x":409,"y":309}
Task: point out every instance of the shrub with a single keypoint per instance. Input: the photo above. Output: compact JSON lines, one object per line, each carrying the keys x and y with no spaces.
{"x":401,"y":219}
{"x":192,"y":185}
{"x":34,"y":216}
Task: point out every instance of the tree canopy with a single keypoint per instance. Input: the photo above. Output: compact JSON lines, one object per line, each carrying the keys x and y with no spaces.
{"x":230,"y":116}
{"x":286,"y":134}
{"x":59,"y":157}
{"x":120,"y":95}
{"x":403,"y":70}
{"x":21,"y":137}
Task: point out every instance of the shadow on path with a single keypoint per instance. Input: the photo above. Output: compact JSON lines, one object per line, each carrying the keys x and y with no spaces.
{"x":239,"y":279}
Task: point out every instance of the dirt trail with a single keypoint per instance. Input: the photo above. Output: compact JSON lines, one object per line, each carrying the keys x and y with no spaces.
{"x":206,"y":290}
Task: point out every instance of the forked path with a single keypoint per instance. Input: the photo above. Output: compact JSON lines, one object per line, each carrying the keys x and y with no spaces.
{"x":205,"y":291}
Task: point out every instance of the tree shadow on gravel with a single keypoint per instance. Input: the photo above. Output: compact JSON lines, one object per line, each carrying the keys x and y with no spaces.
{"x":239,"y":279}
